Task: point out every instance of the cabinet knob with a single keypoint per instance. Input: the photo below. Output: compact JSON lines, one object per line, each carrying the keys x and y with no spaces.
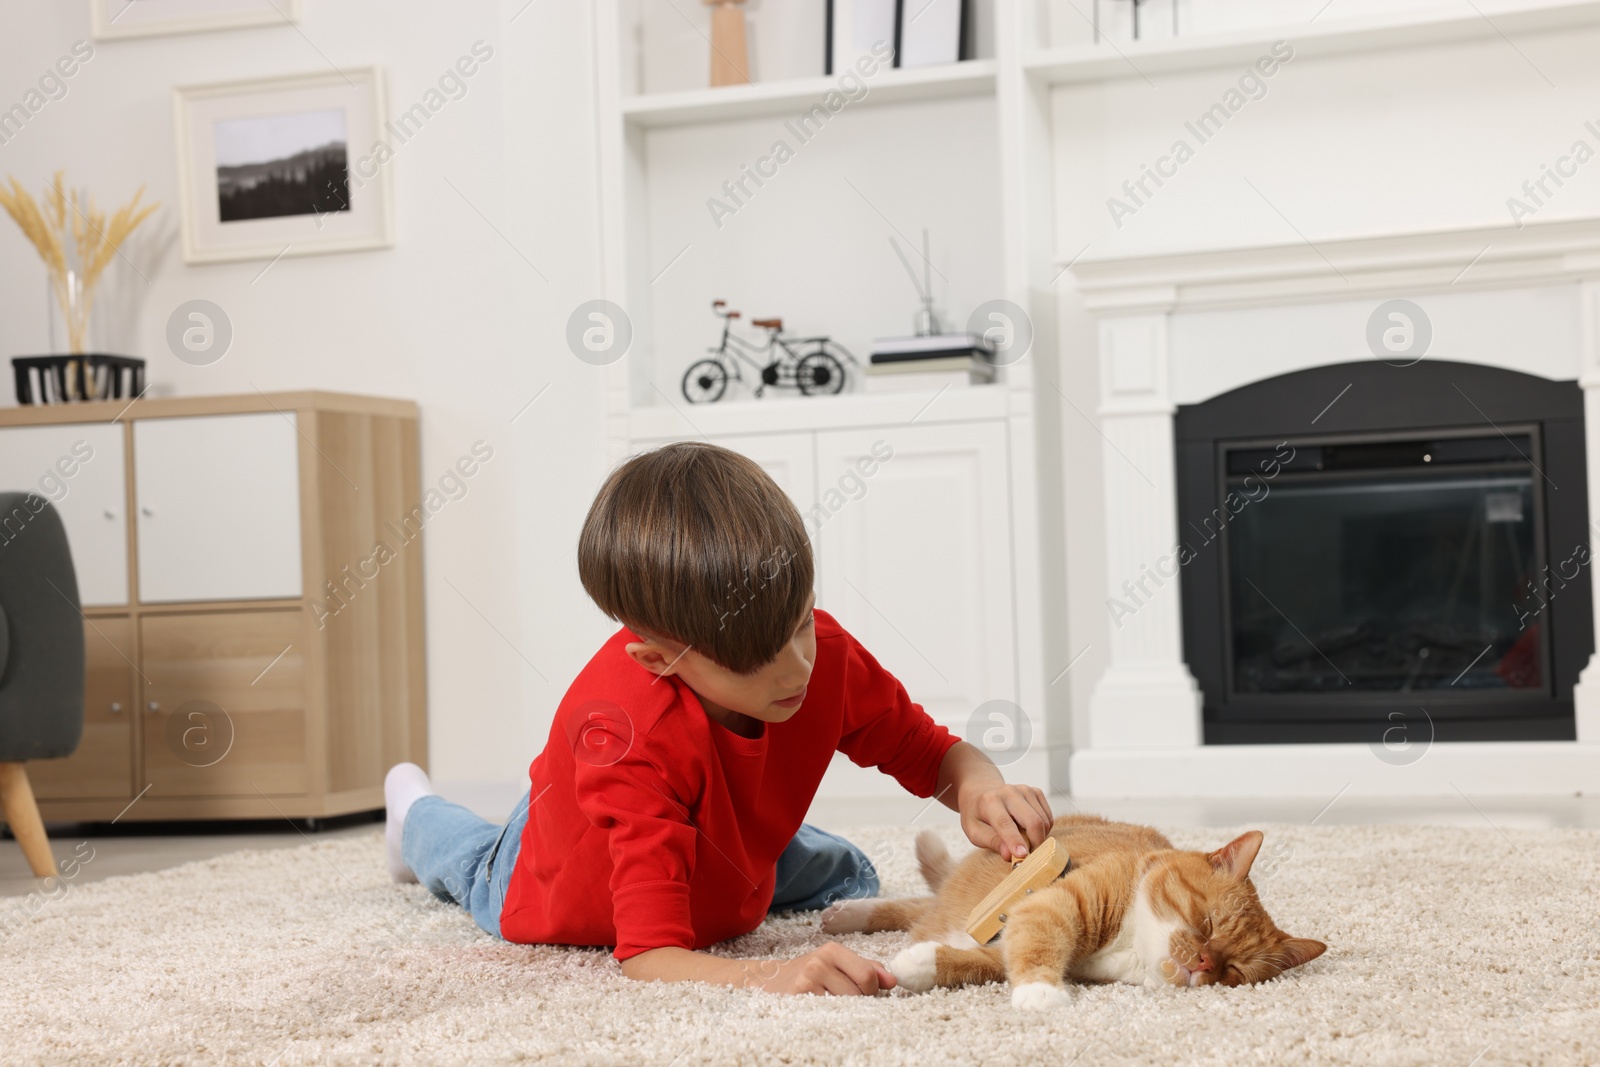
{"x":153,"y":706}
{"x":110,"y":514}
{"x":147,"y":513}
{"x":116,"y":707}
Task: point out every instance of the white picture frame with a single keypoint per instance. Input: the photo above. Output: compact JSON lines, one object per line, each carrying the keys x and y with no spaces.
{"x":238,"y":141}
{"x":111,"y":20}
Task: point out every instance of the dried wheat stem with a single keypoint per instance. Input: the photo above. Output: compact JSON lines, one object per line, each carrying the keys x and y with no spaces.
{"x":94,"y":239}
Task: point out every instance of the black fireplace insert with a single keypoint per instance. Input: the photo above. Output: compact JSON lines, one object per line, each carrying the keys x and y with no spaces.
{"x":1418,"y":551}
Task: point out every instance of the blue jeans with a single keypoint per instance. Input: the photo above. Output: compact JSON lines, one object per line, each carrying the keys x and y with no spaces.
{"x":468,"y":861}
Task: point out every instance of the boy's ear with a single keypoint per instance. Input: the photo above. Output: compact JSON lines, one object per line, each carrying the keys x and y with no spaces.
{"x":655,"y":657}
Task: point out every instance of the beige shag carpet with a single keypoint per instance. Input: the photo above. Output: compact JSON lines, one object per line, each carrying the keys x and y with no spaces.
{"x":1448,"y":946}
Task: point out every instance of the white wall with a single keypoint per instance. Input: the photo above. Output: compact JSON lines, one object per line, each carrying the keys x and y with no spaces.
{"x":1388,"y":142}
{"x":1381,"y":143}
{"x":453,"y":316}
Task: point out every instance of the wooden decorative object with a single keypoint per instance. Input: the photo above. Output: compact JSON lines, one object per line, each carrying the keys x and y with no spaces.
{"x":730,"y":60}
{"x":1041,"y":868}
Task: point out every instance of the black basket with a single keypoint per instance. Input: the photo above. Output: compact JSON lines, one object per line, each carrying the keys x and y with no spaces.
{"x":64,"y":379}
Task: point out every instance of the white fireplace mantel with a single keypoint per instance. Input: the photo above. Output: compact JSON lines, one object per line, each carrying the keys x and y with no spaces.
{"x":1534,"y":254}
{"x":1145,"y":713}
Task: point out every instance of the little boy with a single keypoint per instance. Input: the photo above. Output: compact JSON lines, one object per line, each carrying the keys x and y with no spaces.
{"x":665,"y":812}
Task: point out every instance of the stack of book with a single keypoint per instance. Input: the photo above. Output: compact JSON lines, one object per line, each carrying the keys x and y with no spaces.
{"x":911,"y":364}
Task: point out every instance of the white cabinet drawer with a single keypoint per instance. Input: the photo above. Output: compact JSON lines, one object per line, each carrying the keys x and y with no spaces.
{"x":218,"y":507}
{"x":78,"y":468}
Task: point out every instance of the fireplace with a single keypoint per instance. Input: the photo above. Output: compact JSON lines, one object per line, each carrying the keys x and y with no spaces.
{"x":1208,"y":362}
{"x":1416,"y":556}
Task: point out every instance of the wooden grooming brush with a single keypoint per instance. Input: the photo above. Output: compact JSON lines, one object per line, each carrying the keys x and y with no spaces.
{"x":1043,"y":866}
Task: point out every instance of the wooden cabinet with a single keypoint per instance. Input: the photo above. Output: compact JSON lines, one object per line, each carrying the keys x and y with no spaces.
{"x":251,"y":651}
{"x":103,"y":765}
{"x":80,"y":468}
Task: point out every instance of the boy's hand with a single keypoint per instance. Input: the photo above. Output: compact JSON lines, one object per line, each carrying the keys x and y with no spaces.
{"x":1009,"y":819}
{"x":831,"y":969}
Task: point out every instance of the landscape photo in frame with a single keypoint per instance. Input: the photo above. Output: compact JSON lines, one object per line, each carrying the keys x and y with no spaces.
{"x":265,"y":166}
{"x":276,"y":165}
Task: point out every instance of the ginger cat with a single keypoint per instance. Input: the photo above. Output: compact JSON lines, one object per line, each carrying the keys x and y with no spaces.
{"x":1131,"y":908}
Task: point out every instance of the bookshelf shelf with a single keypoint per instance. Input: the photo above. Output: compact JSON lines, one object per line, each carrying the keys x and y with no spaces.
{"x":974,"y":77}
{"x":794,"y":414}
{"x":1333,"y":37}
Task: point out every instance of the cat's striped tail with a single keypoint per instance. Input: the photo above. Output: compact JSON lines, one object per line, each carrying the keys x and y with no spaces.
{"x":934,"y":859}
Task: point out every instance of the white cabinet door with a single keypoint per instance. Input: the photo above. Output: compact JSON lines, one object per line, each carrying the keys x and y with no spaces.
{"x":915,"y":557}
{"x":78,"y":468}
{"x":789,"y":457}
{"x":218,"y":500}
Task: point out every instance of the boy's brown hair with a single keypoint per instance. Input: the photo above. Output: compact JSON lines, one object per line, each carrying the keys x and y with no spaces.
{"x":696,"y":543}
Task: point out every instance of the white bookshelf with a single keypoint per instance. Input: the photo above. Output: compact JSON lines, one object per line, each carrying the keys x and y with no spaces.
{"x":985,"y":128}
{"x":650,"y":141}
{"x":976,"y":129}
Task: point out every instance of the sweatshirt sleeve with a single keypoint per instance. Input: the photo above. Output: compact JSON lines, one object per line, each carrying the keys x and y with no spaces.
{"x":652,"y":845}
{"x":884,"y":729}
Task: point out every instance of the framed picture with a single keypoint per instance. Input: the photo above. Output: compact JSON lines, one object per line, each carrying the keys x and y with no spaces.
{"x":269,"y":168}
{"x":113,"y":19}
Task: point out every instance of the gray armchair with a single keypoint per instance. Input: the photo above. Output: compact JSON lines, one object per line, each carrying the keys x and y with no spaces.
{"x":41,"y":661}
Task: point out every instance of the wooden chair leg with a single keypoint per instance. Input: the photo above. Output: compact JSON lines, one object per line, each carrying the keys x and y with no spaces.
{"x":22,"y":815}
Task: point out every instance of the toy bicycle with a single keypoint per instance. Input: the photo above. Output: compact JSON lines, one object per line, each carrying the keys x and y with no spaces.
{"x":809,"y":364}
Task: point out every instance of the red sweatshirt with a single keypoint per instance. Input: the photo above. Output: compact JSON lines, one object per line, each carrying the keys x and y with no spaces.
{"x":652,"y":825}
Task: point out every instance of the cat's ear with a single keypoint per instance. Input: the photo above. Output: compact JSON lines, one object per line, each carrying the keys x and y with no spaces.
{"x":1293,"y":951}
{"x":1234,"y":858}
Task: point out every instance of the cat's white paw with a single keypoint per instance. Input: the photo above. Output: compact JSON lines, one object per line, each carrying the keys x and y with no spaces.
{"x":1039,"y":996}
{"x":847,"y":916}
{"x":916,"y":967}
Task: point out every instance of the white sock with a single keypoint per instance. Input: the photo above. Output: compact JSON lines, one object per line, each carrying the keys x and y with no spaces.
{"x":402,"y":787}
